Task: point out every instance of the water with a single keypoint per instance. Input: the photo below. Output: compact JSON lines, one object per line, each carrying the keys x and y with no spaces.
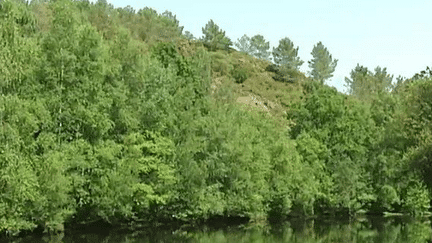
{"x":375,"y":229}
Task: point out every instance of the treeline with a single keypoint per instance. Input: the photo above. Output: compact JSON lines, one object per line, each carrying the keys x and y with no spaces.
{"x":102,"y":119}
{"x":285,"y":56}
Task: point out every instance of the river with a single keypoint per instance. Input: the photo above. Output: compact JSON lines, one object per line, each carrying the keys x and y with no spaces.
{"x":370,"y":229}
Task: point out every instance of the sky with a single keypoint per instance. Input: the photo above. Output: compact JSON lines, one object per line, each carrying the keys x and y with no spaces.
{"x":396,"y":35}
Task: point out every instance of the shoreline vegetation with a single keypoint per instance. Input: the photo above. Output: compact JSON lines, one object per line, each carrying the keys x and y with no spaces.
{"x":116,"y":115}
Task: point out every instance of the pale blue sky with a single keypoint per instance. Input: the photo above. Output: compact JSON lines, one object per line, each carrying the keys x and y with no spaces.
{"x":394,"y":34}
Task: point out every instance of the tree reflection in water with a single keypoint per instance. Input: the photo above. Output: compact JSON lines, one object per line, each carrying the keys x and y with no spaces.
{"x":372,"y":229}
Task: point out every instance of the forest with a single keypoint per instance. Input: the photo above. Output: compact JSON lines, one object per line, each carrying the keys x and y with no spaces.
{"x":118,"y":116}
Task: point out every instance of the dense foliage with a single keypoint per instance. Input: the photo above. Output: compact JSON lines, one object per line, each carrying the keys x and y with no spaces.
{"x":103,"y":117}
{"x":350,"y":146}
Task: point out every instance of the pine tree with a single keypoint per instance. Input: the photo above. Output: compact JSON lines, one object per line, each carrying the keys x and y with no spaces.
{"x":244,"y":45}
{"x":214,"y":38}
{"x":255,"y":46}
{"x":382,"y":80}
{"x":358,"y":81}
{"x":261,"y":47}
{"x":173,"y":18}
{"x":286,"y":55}
{"x":322,"y":64}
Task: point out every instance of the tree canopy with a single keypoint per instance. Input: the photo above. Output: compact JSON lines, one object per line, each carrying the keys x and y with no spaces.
{"x":214,"y":37}
{"x":322,"y":65}
{"x":286,"y":55}
{"x":261,"y":46}
{"x":255,"y":46}
{"x":364,"y":83}
{"x":244,"y":45}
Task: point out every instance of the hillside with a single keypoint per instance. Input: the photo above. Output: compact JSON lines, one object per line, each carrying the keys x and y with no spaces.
{"x":260,"y":90}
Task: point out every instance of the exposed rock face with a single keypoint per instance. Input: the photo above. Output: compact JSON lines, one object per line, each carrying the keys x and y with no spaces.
{"x":255,"y":102}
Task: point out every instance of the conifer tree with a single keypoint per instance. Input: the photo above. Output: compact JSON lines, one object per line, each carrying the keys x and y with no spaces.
{"x":322,"y":64}
{"x":261,"y":47}
{"x":244,"y":45}
{"x":286,"y":55}
{"x":214,"y":38}
{"x":255,"y":46}
{"x":173,"y":18}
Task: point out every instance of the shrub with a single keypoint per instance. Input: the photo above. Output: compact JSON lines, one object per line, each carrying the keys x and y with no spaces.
{"x":240,"y":75}
{"x":220,"y":64}
{"x":282,"y":74}
{"x":416,"y":199}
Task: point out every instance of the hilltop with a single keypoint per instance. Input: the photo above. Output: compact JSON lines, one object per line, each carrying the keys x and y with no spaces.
{"x":259,"y":90}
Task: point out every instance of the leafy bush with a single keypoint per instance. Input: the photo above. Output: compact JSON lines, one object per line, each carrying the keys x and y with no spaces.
{"x":240,"y":75}
{"x":416,"y":199}
{"x":388,"y":197}
{"x":282,"y":73}
{"x":220,"y":64}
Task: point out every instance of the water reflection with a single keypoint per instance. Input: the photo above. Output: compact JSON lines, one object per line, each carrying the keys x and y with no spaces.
{"x":376,"y":229}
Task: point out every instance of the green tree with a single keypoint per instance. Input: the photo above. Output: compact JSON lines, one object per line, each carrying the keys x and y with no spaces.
{"x":148,"y":25}
{"x":382,"y":80}
{"x":148,"y":12}
{"x":214,"y":38}
{"x":322,"y":64}
{"x":244,"y":45}
{"x":261,"y":47}
{"x":19,"y":52}
{"x":255,"y":46}
{"x":173,"y":18}
{"x":338,"y":131}
{"x":286,"y":55}
{"x":427,"y":73}
{"x":364,"y":84}
{"x":416,"y":120}
{"x":74,"y":69}
{"x":400,"y":84}
{"x":357,"y":85}
{"x":189,"y":35}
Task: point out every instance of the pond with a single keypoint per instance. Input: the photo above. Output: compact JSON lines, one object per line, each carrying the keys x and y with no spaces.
{"x":371,"y":229}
